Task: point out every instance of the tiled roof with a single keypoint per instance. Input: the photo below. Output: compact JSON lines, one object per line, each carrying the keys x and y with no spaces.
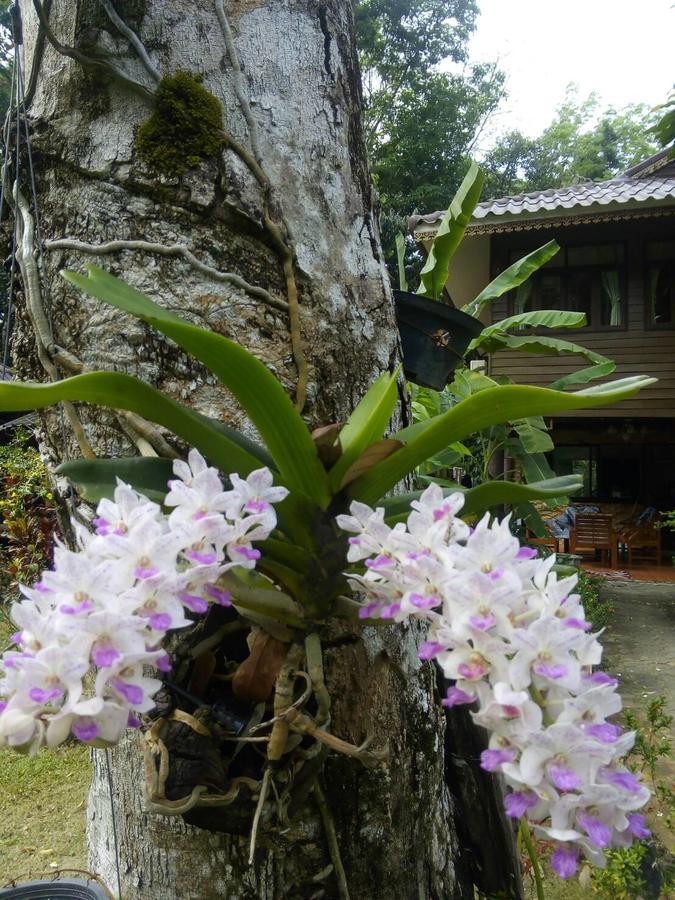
{"x":655,"y":185}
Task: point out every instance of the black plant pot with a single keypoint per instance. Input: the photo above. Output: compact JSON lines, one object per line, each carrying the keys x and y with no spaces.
{"x":434,"y":338}
{"x":69,"y":889}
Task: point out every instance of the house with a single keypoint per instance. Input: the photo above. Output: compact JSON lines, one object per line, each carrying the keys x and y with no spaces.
{"x":616,"y":264}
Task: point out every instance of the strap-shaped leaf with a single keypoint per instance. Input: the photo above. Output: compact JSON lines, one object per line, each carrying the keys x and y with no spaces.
{"x":510,"y":278}
{"x":400,"y":258}
{"x":533,"y":436}
{"x":97,"y":478}
{"x":450,"y":232}
{"x":486,"y":496}
{"x":543,"y":346}
{"x":366,"y":424}
{"x":118,"y":391}
{"x":493,"y":406}
{"x":258,"y":392}
{"x":540,"y":318}
{"x":583,"y":376}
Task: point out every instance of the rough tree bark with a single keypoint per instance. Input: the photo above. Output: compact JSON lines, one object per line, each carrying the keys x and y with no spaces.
{"x":397,"y":826}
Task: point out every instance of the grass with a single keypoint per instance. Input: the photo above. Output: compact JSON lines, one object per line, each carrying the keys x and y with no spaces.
{"x":42,"y":807}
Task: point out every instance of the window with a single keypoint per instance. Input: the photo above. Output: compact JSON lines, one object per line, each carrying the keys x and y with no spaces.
{"x":589,"y":278}
{"x":660,"y":284}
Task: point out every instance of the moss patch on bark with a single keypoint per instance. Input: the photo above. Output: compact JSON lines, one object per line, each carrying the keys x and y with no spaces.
{"x":185,"y":127}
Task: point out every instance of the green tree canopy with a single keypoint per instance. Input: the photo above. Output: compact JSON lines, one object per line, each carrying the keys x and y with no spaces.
{"x":424,"y":103}
{"x":582,"y":143}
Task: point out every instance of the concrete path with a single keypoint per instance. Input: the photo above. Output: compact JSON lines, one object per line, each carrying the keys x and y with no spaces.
{"x":640,"y":647}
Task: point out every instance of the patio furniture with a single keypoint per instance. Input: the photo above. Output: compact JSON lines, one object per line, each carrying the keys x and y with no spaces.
{"x":594,"y":533}
{"x":643,"y":543}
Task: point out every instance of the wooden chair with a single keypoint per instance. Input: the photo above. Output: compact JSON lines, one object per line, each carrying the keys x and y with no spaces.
{"x":593,"y":533}
{"x":643,"y":543}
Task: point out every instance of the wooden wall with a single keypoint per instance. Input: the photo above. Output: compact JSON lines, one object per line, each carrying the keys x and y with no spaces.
{"x":636,"y":350}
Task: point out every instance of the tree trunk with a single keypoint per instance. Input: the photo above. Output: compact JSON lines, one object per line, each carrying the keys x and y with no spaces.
{"x":294,"y":105}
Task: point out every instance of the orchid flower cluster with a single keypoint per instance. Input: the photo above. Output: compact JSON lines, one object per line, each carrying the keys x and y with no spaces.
{"x":90,"y":627}
{"x":513,"y":639}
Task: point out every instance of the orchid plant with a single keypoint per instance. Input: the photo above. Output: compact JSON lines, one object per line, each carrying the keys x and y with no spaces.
{"x":507,"y":632}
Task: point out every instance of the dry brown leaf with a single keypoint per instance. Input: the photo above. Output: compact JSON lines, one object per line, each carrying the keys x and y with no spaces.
{"x":255,"y":677}
{"x":374,"y":454}
{"x":327,"y":444}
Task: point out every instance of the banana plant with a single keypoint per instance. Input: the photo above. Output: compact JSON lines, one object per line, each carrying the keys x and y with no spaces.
{"x":307,"y":554}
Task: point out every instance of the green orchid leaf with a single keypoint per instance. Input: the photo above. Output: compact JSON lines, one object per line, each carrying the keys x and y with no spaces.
{"x":366,"y":425}
{"x":118,"y":391}
{"x":510,"y":278}
{"x":492,"y":406}
{"x":400,"y":258}
{"x":260,"y":395}
{"x":541,"y":318}
{"x":97,"y":478}
{"x":486,"y":496}
{"x":450,"y":232}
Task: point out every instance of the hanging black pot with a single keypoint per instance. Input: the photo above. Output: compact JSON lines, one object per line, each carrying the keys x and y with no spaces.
{"x":434,"y":338}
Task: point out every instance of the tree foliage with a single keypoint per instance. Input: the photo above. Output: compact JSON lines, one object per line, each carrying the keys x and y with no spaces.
{"x":424,"y":103}
{"x":582,"y":143}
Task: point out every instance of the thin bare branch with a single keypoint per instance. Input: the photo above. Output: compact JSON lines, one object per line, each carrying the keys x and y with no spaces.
{"x":133,"y":39}
{"x":170,"y":250}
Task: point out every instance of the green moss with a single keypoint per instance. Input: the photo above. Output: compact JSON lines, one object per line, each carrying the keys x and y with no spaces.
{"x":185,"y":127}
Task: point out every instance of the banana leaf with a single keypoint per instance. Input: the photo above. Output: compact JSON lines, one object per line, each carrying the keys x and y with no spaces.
{"x":510,"y":278}
{"x":450,"y":232}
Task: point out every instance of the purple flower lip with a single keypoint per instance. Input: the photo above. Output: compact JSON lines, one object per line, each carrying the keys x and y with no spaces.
{"x":40,"y":586}
{"x":81,"y":607}
{"x":517,"y":803}
{"x":471,"y":671}
{"x":44,"y":695}
{"x":163,"y":663}
{"x":104,"y":656}
{"x":365,"y":612}
{"x":456,"y":697}
{"x":84,"y":730}
{"x":429,"y":649}
{"x":143,"y":573}
{"x":204,"y":559}
{"x":496,"y":573}
{"x":256,"y":506}
{"x":573,"y":622}
{"x":388,"y":612}
{"x":133,"y":721}
{"x":605,"y":732}
{"x":564,"y":861}
{"x":160,"y":621}
{"x":192,"y":601}
{"x":490,"y":760}
{"x":16,"y":637}
{"x":354,"y":541}
{"x":378,"y":562}
{"x":526,"y":553}
{"x":222,"y":598}
{"x":423,"y":602}
{"x":563,"y":778}
{"x":247,"y":552}
{"x":598,"y":833}
{"x":625,"y":780}
{"x":131,"y":692}
{"x":637,"y":826}
{"x":601,"y":678}
{"x":482,"y":623}
{"x":553,"y":672}
{"x":3,"y":706}
{"x":441,"y":512}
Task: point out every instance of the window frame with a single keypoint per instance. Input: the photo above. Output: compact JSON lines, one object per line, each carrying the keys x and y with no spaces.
{"x":669,"y":262}
{"x":564,"y":271}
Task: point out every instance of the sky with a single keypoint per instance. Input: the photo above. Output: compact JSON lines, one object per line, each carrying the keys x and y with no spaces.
{"x":622,"y":49}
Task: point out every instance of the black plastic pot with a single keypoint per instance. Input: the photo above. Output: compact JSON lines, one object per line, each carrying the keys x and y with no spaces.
{"x":70,"y":889}
{"x":434,"y":338}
